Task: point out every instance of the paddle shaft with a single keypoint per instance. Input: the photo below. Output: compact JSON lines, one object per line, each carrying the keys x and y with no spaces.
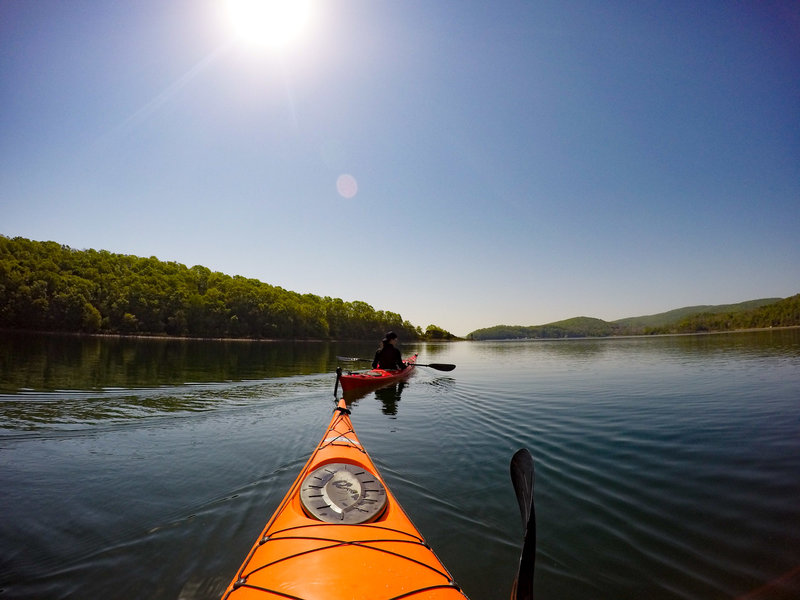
{"x":336,"y":386}
{"x":437,"y":366}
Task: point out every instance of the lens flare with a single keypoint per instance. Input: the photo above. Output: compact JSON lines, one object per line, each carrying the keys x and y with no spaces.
{"x":347,"y":186}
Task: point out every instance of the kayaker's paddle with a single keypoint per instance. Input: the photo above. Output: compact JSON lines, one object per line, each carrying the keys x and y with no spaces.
{"x":522,"y":476}
{"x":437,"y":366}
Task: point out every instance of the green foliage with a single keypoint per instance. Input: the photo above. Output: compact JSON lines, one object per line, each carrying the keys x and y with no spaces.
{"x":570,"y":328}
{"x":648,"y":323}
{"x":753,"y":314}
{"x":432,"y":332}
{"x":49,"y":287}
{"x":785,"y":313}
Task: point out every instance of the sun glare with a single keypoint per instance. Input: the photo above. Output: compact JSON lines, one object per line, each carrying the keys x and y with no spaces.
{"x":269,"y":23}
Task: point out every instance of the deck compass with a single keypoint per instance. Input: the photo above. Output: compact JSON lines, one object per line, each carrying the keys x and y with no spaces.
{"x":343,"y":493}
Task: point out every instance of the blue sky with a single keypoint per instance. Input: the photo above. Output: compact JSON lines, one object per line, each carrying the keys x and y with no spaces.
{"x":516,"y":162}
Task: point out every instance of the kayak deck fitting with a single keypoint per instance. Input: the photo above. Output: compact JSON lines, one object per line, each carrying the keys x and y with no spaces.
{"x":339,"y":533}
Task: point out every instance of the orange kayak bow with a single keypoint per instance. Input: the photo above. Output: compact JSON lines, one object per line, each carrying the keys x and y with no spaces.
{"x":340,"y":534}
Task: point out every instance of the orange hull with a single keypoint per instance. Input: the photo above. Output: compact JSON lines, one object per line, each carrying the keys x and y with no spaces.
{"x":334,"y":556}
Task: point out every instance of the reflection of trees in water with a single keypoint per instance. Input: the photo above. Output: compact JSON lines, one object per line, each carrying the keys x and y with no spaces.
{"x":753,"y":343}
{"x":772,"y":342}
{"x":568,"y":348}
{"x":49,"y":362}
{"x":432,"y":349}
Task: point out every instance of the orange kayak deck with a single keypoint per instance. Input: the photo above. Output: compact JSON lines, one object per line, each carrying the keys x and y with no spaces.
{"x":316,"y":547}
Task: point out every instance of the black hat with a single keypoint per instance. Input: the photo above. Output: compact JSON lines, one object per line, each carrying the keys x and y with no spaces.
{"x":390,"y":336}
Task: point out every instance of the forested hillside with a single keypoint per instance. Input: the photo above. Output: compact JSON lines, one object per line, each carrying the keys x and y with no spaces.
{"x":46,"y":286}
{"x":753,"y":314}
{"x":49,"y":287}
{"x":784,"y":313}
{"x":648,"y":322}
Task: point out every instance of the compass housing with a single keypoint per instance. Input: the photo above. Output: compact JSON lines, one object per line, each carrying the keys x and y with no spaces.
{"x":344,"y":493}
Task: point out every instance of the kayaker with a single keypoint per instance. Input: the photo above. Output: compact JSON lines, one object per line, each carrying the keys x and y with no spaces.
{"x":388,"y":356}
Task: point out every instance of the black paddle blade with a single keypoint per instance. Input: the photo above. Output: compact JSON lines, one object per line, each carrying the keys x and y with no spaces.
{"x":440,"y":366}
{"x":522,"y":476}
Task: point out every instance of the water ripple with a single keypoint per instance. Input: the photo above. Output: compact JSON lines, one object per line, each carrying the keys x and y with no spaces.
{"x":665,"y":468}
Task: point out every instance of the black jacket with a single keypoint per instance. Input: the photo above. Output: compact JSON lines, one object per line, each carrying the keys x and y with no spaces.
{"x":388,"y":357}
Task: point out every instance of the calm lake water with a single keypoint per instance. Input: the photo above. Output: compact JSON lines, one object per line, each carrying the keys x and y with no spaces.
{"x":666,"y":467}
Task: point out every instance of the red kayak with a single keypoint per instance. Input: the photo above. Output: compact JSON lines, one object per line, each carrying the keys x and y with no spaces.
{"x":375,"y":378}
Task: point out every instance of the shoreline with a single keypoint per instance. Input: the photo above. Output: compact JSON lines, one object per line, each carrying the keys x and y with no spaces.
{"x":162,"y":337}
{"x":640,"y":335}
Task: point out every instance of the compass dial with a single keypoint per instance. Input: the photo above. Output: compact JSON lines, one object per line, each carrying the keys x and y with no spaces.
{"x":343,"y":493}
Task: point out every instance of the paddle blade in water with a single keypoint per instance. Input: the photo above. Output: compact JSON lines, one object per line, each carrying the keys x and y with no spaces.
{"x":440,"y":366}
{"x":522,"y":476}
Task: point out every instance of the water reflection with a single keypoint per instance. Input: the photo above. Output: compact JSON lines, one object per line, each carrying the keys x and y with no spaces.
{"x":388,"y":395}
{"x":50,"y":362}
{"x":568,"y":348}
{"x":428,"y":349}
{"x":767,"y":343}
{"x":56,"y":362}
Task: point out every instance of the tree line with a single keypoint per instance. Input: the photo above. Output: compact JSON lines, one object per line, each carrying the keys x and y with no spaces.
{"x":46,"y":286}
{"x":783,"y":313}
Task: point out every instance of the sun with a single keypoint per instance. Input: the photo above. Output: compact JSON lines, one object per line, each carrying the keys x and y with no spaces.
{"x":269,"y":23}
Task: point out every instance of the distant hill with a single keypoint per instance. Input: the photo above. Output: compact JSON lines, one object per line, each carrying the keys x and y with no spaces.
{"x":575,"y":327}
{"x":673,"y":316}
{"x":579,"y":327}
{"x":766,"y":312}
